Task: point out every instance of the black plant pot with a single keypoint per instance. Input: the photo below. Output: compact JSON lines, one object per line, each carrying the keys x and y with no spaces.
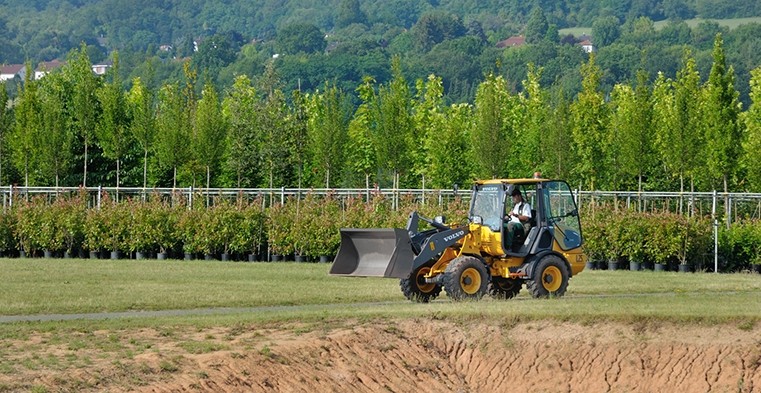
{"x":140,"y":255}
{"x":684,"y":268}
{"x":591,"y":265}
{"x":225,"y":256}
{"x":22,"y":254}
{"x":634,"y":266}
{"x":188,"y":256}
{"x":208,"y":257}
{"x":49,"y":254}
{"x":93,"y":255}
{"x":324,"y":258}
{"x":756,"y":268}
{"x":253,"y":257}
{"x":116,"y":254}
{"x":660,"y":267}
{"x":161,"y":256}
{"x":67,"y":255}
{"x":276,"y":258}
{"x":612,"y":265}
{"x":301,"y":258}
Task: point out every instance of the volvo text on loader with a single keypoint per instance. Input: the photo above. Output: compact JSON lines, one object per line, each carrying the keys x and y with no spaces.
{"x":468,"y":261}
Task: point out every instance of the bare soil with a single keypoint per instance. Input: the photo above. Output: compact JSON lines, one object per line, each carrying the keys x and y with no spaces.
{"x":416,"y":355}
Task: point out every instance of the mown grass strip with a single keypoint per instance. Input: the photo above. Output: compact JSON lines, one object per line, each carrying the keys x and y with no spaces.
{"x":286,"y":292}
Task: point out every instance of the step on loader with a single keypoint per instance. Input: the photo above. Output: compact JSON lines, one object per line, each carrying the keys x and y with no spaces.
{"x":478,"y":257}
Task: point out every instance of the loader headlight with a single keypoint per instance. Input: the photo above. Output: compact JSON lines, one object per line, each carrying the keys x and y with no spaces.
{"x":440,"y":219}
{"x":477,"y":220}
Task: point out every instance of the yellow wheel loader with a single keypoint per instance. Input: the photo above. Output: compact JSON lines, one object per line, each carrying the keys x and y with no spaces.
{"x":470,"y":260}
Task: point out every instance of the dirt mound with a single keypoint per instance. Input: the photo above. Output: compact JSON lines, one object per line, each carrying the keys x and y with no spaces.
{"x":426,"y":356}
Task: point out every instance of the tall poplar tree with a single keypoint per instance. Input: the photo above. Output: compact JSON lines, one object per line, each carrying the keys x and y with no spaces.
{"x":173,"y":128}
{"x":84,"y":100}
{"x":590,"y":120}
{"x":54,"y":143}
{"x":720,"y":114}
{"x":361,"y":153}
{"x":493,"y":135}
{"x":5,"y":124}
{"x":27,"y":126}
{"x":427,"y":115}
{"x":752,"y":143}
{"x":327,"y":129}
{"x":209,"y":132}
{"x":241,"y":109}
{"x":140,"y":107}
{"x":112,"y":129}
{"x":394,"y":116}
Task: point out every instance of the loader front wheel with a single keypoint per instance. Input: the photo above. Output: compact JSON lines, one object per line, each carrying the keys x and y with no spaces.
{"x":466,"y":278}
{"x":550,"y":278}
{"x":504,"y":288}
{"x":416,"y":289}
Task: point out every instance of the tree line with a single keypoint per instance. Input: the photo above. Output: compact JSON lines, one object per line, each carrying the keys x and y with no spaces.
{"x":73,"y":127}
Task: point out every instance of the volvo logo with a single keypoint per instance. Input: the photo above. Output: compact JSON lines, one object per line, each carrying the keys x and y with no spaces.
{"x":454,"y":236}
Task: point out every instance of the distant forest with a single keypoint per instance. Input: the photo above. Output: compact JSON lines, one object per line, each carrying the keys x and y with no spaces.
{"x":314,"y":41}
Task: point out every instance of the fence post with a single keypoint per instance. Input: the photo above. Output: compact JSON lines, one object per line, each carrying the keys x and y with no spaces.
{"x":715,"y":235}
{"x":190,"y":197}
{"x":282,"y":195}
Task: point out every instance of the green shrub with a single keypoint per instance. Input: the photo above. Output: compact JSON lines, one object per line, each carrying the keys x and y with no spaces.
{"x":251,"y":234}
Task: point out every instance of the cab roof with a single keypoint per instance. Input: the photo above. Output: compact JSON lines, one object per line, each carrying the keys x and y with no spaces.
{"x":513,"y":181}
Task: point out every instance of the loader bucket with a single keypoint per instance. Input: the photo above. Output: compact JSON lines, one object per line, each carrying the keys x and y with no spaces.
{"x":374,"y":253}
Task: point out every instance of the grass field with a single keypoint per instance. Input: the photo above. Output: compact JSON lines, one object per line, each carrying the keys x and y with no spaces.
{"x":274,"y":292}
{"x":731,"y":23}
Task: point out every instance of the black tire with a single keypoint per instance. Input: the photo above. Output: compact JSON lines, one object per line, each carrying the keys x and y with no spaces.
{"x":416,"y":289}
{"x":504,"y":288}
{"x":466,"y":278}
{"x":550,"y":278}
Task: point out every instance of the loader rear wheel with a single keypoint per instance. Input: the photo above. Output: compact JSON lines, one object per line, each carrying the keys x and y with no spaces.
{"x":504,"y":288}
{"x":466,"y":278}
{"x":416,"y":289}
{"x":550,"y":278}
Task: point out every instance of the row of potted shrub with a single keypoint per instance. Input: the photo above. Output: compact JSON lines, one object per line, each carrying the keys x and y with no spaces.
{"x":307,"y":227}
{"x":668,"y":241}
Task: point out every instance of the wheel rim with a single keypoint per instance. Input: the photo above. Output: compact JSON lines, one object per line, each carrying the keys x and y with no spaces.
{"x":470,"y":281}
{"x":552,"y":278}
{"x":423,"y":286}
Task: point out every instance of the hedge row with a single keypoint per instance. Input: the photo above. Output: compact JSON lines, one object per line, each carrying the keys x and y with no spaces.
{"x":310,"y":227}
{"x":307,"y":227}
{"x":621,"y":235}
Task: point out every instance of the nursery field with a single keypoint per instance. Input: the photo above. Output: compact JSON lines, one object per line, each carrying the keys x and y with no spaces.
{"x":128,"y":325}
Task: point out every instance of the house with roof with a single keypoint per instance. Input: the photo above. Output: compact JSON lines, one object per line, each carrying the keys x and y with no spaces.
{"x":587,"y":46}
{"x":10,"y":71}
{"x":46,"y":67}
{"x":512,"y":42}
{"x":101,"y":68}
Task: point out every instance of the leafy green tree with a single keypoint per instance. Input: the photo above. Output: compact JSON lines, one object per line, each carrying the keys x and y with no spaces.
{"x":557,"y":141}
{"x":435,"y":27}
{"x":536,"y":27}
{"x":5,"y":125}
{"x":300,"y":37}
{"x":590,"y":120}
{"x":84,"y":105}
{"x":535,"y":105}
{"x":209,"y":133}
{"x":173,"y":128}
{"x":752,"y":143}
{"x":493,"y":133}
{"x":140,"y":109}
{"x":54,"y":143}
{"x":605,"y":31}
{"x":327,"y":130}
{"x":348,"y":13}
{"x":427,"y":112}
{"x":394,"y":125}
{"x":27,"y":127}
{"x":449,"y":154}
{"x":241,"y":109}
{"x":273,"y":128}
{"x":676,"y":114}
{"x":720,"y":118}
{"x":296,"y":134}
{"x":361,"y":153}
{"x":112,"y":129}
{"x":633,"y":118}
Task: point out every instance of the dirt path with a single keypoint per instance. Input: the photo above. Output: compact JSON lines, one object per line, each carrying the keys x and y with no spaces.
{"x":417,"y":355}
